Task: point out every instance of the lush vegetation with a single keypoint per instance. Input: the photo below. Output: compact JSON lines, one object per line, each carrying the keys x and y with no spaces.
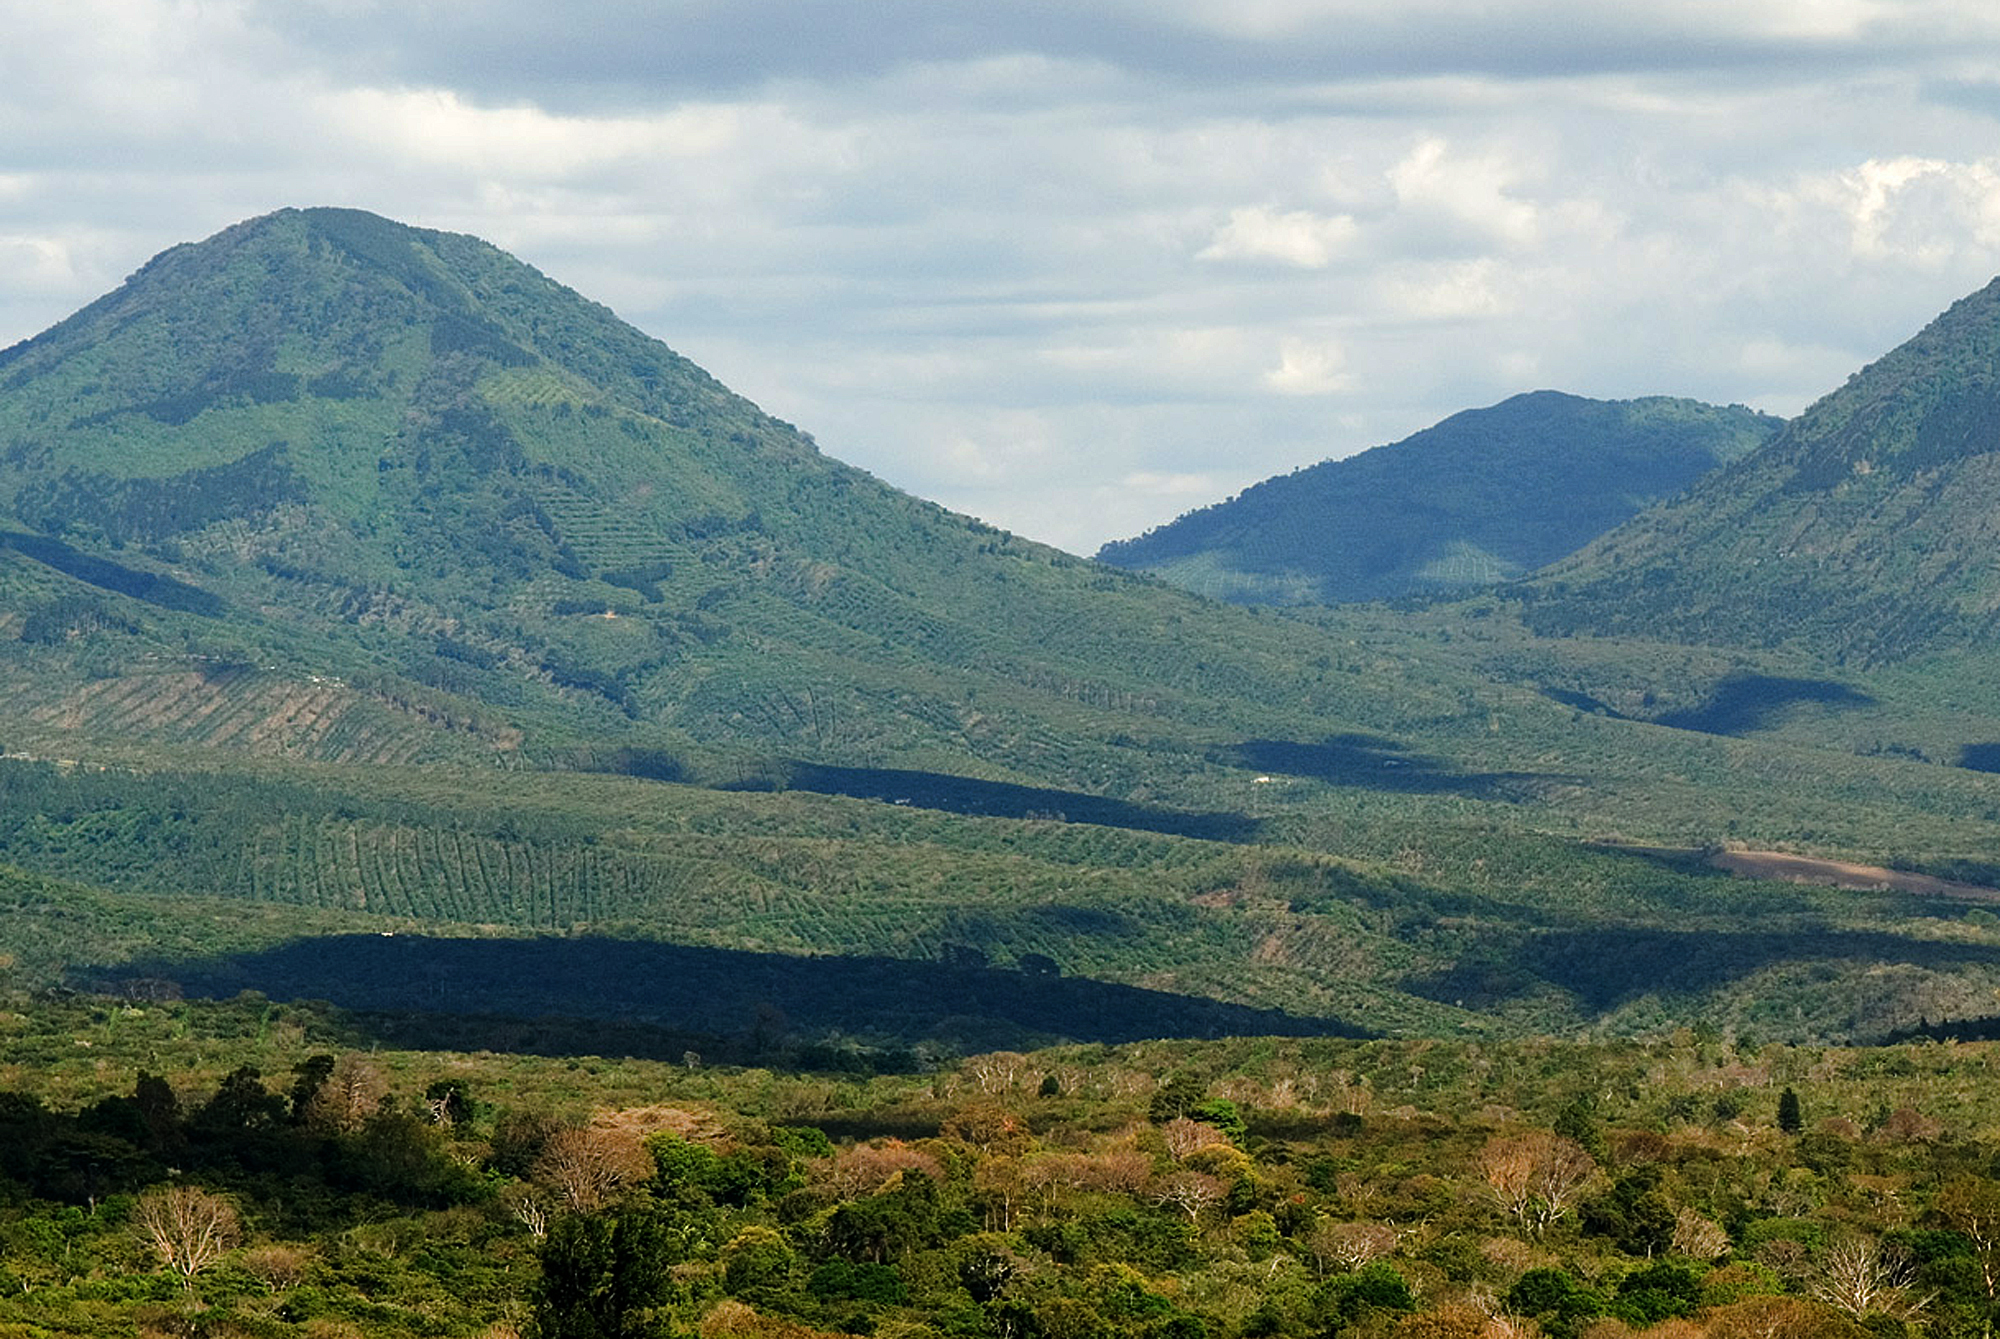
{"x":364,"y":572}
{"x":331,"y":487}
{"x":1485,"y":496}
{"x":901,"y":925}
{"x":247,"y":1169}
{"x":1860,"y":534}
{"x":384,"y":624}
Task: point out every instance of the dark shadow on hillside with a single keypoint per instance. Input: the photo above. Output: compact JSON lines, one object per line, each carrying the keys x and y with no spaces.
{"x":1983,"y":1027}
{"x":1689,"y":860}
{"x":715,"y":992}
{"x":1980,"y":757}
{"x":1374,"y":763}
{"x":1606,"y":968}
{"x":163,"y":591}
{"x":1583,"y":702}
{"x":1000,"y":799}
{"x":1742,"y":703}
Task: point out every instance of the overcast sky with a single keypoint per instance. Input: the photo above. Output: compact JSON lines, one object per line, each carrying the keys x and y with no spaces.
{"x":1076,"y":266}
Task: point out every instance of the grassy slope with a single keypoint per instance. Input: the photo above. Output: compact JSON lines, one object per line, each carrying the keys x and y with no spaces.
{"x":376,"y":461}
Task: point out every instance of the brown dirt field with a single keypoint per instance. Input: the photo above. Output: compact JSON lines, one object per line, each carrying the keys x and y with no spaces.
{"x":1841,"y":874}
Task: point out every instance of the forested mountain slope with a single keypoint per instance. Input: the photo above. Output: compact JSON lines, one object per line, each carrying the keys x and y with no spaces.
{"x":332,"y":486}
{"x":1484,"y":496}
{"x":1869,"y":528}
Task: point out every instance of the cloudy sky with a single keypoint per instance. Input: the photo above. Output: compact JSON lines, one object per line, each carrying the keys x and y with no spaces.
{"x":1076,"y":266}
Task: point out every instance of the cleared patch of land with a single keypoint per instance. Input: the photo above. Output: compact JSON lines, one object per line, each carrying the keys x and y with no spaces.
{"x":1843,"y":874}
{"x":1790,"y":868}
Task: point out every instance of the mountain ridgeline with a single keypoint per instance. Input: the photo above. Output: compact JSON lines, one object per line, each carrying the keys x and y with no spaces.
{"x":332,"y":486}
{"x":1485,"y":496}
{"x":1866,"y":531}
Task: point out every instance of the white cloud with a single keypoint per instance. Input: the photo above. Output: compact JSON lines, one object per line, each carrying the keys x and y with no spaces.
{"x":41,"y":264}
{"x":1308,"y":367}
{"x":1065,"y":265}
{"x":1472,"y":194}
{"x":436,"y":128}
{"x":990,"y":459}
{"x":1447,"y":291}
{"x":1198,"y":488}
{"x":1296,"y":237}
{"x":1280,"y":20}
{"x":1922,"y":211}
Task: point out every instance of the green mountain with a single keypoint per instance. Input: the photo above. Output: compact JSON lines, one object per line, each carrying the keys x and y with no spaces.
{"x":1485,"y":496}
{"x":334,"y":552}
{"x":330,"y":486}
{"x":1866,"y":530}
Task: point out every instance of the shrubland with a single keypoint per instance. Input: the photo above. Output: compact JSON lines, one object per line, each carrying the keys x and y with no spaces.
{"x":249,"y":1168}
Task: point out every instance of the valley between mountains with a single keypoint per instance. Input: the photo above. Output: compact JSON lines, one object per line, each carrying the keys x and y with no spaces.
{"x":357,"y":577}
{"x":500,"y":836}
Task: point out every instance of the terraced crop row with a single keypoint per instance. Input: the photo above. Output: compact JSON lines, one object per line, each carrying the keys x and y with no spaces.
{"x":229,"y":708}
{"x":603,"y":538}
{"x":859,"y":603}
{"x":233,"y":708}
{"x":441,"y":874}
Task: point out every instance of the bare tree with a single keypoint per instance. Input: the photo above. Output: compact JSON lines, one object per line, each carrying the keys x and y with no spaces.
{"x":1349,"y":1245}
{"x":1855,"y":1276}
{"x":1006,"y":1182}
{"x":1906,"y":1125}
{"x":1193,"y":1193}
{"x":349,"y":1096}
{"x":1357,"y":1192}
{"x":1535,"y":1177}
{"x":1972,"y":1205}
{"x":1115,"y":1170}
{"x":276,"y":1265}
{"x":1186,"y":1136}
{"x":987,"y":1126}
{"x":188,"y":1228}
{"x":1699,"y":1237}
{"x":863,"y":1169}
{"x":1768,"y":1318}
{"x":532,"y":1214}
{"x":586,"y":1166}
{"x":997,"y":1071}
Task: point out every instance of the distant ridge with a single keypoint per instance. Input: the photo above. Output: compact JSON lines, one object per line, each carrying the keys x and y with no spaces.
{"x":1868,"y":528}
{"x":1484,"y":496}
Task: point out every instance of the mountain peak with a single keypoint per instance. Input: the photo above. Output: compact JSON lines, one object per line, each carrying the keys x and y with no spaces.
{"x":282,"y":269}
{"x":358,"y":452}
